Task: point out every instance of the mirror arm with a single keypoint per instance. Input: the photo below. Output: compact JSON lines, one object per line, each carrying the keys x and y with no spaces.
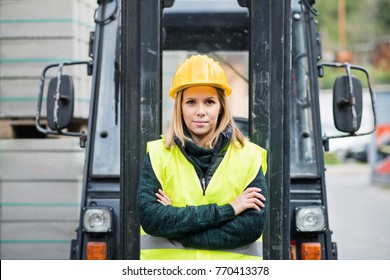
{"x":372,"y":94}
{"x":82,"y":135}
{"x":57,"y":95}
{"x":325,"y":143}
{"x":351,"y":102}
{"x":342,"y":102}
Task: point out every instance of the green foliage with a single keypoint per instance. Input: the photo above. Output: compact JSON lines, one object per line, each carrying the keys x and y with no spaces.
{"x":331,"y":158}
{"x":377,"y":76}
{"x":366,"y":20}
{"x":327,"y":22}
{"x":383,"y":14}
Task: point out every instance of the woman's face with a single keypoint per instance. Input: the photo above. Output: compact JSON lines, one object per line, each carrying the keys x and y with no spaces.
{"x":200,"y":110}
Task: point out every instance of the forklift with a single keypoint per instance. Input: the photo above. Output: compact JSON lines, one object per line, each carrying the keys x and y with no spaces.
{"x":131,"y":51}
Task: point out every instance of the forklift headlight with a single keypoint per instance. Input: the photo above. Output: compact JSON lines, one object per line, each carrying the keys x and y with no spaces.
{"x":310,"y":219}
{"x":97,"y":219}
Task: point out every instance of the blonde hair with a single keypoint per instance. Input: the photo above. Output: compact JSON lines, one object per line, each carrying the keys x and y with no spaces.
{"x":176,"y":127}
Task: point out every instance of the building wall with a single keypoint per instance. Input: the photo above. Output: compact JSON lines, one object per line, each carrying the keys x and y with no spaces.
{"x":40,"y":194}
{"x":34,"y":34}
{"x":40,"y":179}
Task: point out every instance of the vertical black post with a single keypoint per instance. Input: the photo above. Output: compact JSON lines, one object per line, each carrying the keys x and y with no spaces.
{"x":140,"y":106}
{"x":269,"y":78}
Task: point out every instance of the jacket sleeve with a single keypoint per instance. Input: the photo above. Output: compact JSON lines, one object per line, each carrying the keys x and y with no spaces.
{"x":169,"y":221}
{"x":242,"y":230}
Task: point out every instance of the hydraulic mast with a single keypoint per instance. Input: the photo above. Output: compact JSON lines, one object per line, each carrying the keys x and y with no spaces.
{"x":141,"y":100}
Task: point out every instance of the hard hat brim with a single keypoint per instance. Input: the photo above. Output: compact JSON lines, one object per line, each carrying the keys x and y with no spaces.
{"x":173,"y":91}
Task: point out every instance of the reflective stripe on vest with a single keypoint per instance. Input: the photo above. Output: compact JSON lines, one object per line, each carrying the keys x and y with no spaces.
{"x":157,"y":248}
{"x":180,"y":182}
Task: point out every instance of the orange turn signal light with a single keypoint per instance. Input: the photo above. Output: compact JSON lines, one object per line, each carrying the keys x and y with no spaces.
{"x":96,"y":251}
{"x":311,"y":251}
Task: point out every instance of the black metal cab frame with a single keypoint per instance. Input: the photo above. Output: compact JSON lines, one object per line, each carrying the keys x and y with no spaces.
{"x":126,"y":112}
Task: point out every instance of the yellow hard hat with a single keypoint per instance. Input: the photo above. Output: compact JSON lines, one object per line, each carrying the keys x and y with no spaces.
{"x":199,"y":70}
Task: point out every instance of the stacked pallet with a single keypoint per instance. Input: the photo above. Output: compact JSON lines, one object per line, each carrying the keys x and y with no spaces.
{"x":34,"y":34}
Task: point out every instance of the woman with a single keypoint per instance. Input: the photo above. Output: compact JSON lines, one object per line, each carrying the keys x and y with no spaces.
{"x":202,"y":188}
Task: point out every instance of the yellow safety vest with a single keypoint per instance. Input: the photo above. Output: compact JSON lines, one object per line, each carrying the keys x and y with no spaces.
{"x":180,"y":182}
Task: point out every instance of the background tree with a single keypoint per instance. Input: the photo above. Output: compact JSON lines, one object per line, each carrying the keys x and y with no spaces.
{"x":362,"y":22}
{"x":383,"y":16}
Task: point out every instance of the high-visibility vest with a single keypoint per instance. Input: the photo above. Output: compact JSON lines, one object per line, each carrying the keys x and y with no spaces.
{"x":180,"y":182}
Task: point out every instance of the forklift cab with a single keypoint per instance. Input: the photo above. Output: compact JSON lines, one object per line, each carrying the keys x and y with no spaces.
{"x":271,"y":53}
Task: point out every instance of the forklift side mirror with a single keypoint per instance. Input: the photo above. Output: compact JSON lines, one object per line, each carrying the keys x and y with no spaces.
{"x":347,"y":103}
{"x":60,"y":102}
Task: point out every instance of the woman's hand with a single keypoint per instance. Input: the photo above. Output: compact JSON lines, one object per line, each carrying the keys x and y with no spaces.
{"x":249,"y":199}
{"x":163,"y":198}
